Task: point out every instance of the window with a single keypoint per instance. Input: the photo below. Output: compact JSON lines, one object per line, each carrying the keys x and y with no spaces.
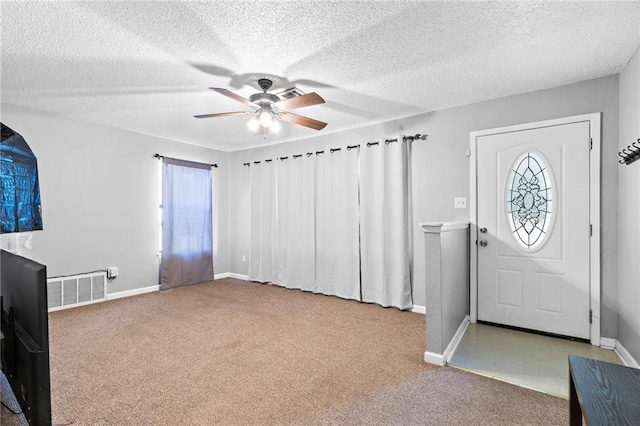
{"x":187,"y":251}
{"x":529,"y":200}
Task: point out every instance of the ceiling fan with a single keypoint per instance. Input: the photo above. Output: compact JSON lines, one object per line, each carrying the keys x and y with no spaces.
{"x":268,"y":108}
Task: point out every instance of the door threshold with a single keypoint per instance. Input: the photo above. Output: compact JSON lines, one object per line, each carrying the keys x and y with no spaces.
{"x":541,"y":333}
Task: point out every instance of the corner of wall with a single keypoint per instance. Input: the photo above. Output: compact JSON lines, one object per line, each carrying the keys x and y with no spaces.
{"x":628,"y":233}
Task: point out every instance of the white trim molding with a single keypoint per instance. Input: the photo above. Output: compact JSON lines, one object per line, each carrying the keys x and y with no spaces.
{"x":607,"y":343}
{"x":444,"y":358}
{"x":230,"y":275}
{"x":433,"y":358}
{"x":625,"y":356}
{"x":440,"y":227}
{"x":134,"y":292}
{"x":455,"y":340}
{"x":418,"y":309}
{"x":151,"y":289}
{"x":594,"y":120}
{"x":238,"y":276}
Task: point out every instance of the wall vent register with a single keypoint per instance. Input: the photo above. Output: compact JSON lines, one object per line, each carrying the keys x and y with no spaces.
{"x":76,"y":290}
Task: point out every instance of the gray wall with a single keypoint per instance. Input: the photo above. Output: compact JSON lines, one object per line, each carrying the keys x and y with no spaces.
{"x":440,"y":169}
{"x":455,"y":281}
{"x":629,"y":213}
{"x":447,"y":284}
{"x":100,"y":190}
{"x":100,"y":185}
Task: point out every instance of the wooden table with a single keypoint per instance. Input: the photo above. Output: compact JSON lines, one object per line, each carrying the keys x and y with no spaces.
{"x":604,"y":393}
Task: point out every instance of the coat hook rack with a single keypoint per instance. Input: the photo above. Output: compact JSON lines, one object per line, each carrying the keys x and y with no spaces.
{"x":630,"y":154}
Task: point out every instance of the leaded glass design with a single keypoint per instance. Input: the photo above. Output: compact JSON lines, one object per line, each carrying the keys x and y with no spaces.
{"x":529,"y":200}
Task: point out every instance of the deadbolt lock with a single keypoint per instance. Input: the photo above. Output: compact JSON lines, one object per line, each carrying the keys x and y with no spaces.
{"x":483,"y":243}
{"x":483,"y":230}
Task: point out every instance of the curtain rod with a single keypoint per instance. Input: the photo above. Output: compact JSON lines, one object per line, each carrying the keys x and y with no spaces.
{"x":417,"y":136}
{"x":158,"y":156}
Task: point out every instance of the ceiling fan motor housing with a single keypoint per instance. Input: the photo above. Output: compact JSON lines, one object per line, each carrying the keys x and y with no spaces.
{"x":262,"y":98}
{"x":265,"y":84}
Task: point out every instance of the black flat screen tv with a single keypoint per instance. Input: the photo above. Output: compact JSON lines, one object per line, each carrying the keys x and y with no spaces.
{"x":25,"y":328}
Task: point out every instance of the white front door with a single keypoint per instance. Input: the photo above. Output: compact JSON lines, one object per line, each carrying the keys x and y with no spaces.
{"x":533,"y":228}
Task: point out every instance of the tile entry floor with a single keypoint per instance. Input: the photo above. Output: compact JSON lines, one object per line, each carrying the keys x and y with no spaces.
{"x":526,"y":359}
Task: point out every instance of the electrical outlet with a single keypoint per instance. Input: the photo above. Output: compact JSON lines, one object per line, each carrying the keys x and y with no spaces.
{"x":460,"y":203}
{"x":244,"y":258}
{"x":112,"y":272}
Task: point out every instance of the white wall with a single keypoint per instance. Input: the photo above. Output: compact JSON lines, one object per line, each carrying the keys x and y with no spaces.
{"x":441,"y":169}
{"x":100,"y":190}
{"x":629,"y":213}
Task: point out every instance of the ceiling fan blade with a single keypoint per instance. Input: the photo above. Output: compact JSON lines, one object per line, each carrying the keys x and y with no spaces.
{"x":300,"y":101}
{"x":237,"y":98}
{"x":303,"y":121}
{"x":223,"y":114}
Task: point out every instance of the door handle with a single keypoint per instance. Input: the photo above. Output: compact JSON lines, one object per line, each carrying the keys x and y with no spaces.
{"x":483,"y":243}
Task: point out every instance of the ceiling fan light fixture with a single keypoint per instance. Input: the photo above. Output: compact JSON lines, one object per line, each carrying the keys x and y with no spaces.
{"x":264,"y":122}
{"x":265,"y":118}
{"x":254,"y":124}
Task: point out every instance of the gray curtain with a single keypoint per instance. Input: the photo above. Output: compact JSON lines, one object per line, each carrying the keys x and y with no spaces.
{"x":187,"y":253}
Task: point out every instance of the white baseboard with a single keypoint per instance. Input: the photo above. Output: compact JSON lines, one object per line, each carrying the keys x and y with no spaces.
{"x":607,"y":343}
{"x":438,"y":359}
{"x":625,"y":356}
{"x":150,"y":289}
{"x":238,"y":276}
{"x":455,"y":340}
{"x":433,"y":358}
{"x":134,"y":292}
{"x":419,"y":309}
{"x":231,"y":275}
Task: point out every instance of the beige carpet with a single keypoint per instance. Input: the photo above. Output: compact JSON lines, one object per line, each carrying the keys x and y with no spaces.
{"x":449,"y":396}
{"x":232,"y":352}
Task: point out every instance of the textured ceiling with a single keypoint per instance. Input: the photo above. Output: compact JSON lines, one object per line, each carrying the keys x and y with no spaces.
{"x":146,"y":66}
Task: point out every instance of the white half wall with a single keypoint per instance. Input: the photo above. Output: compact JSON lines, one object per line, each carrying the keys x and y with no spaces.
{"x":629,"y":213}
{"x":100,"y":189}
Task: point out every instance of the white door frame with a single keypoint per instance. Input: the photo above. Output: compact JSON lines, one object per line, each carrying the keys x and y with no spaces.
{"x":594,"y":211}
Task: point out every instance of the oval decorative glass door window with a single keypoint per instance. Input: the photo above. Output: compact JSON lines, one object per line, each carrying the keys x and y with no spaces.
{"x":529,"y":200}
